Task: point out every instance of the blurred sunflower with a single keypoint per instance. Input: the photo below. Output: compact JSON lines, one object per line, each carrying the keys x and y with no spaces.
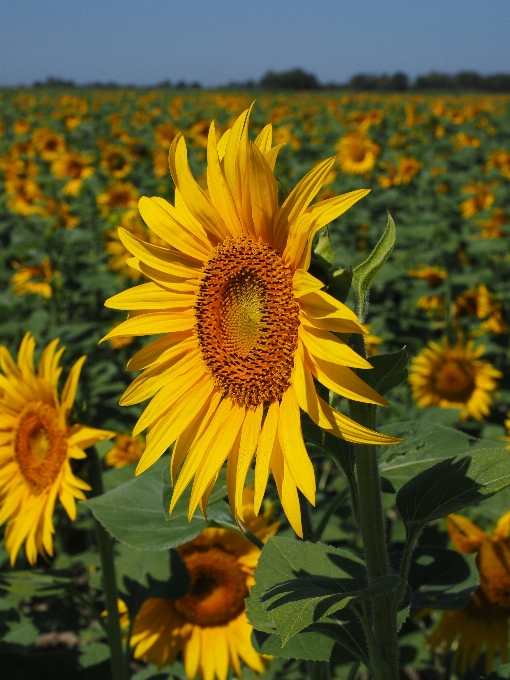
{"x":208,"y":625}
{"x":164,"y":134}
{"x":479,"y":302}
{"x":482,"y":198}
{"x":36,"y":445}
{"x":25,"y":197}
{"x":49,"y":144}
{"x":115,"y":160}
{"x":483,"y":622}
{"x":491,"y":227}
{"x":357,"y":153}
{"x":117,"y":195}
{"x":433,"y":276}
{"x":76,"y":166}
{"x":23,"y":282}
{"x":453,"y":376}
{"x":125,"y":450}
{"x":500,"y":160}
{"x":246,"y":327}
{"x":21,"y":126}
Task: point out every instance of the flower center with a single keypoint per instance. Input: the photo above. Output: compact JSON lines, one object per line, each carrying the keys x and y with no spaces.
{"x":247,"y":321}
{"x":454,"y":381}
{"x":218,"y":588}
{"x":40,"y":445}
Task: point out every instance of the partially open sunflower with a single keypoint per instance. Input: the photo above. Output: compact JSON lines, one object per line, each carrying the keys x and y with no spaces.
{"x":245,"y":328}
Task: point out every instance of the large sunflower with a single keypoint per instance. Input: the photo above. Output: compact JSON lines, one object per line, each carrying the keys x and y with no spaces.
{"x":36,"y":445}
{"x":208,"y":625}
{"x":246,"y":328}
{"x":454,"y":376}
{"x":483,"y":622}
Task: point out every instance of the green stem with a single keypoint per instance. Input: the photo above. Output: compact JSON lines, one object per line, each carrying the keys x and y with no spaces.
{"x":105,"y":545}
{"x":373,"y":533}
{"x":411,"y":537}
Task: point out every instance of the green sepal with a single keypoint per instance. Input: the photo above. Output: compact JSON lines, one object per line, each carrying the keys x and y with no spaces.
{"x":364,"y":273}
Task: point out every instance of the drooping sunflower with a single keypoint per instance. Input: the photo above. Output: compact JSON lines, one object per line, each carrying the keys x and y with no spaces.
{"x":357,"y":153}
{"x":208,"y":625}
{"x":483,"y":622}
{"x":36,"y":280}
{"x":125,"y":450}
{"x":36,"y":446}
{"x":246,"y":328}
{"x":454,"y":376}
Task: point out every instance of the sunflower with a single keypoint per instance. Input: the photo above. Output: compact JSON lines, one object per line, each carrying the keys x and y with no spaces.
{"x":25,"y":197}
{"x":479,"y":302}
{"x":21,"y":126}
{"x":164,"y":134}
{"x":491,"y":228}
{"x":434,"y":276}
{"x":483,"y":622}
{"x":209,"y":624}
{"x":115,"y":160}
{"x":119,"y":254}
{"x":76,"y":167}
{"x":482,"y":198}
{"x":118,"y":195}
{"x":125,"y":450}
{"x":357,"y":153}
{"x":48,"y":143}
{"x":36,"y":445}
{"x":454,"y":376}
{"x":247,"y":328}
{"x":22,"y":281}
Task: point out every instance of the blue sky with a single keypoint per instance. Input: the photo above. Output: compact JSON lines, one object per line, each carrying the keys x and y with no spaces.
{"x":216,"y":41}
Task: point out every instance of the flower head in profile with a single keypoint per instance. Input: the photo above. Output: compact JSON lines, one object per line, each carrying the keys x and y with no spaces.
{"x":482,"y":198}
{"x":209,"y":624}
{"x":125,"y":450}
{"x":36,"y":280}
{"x":245,"y":328}
{"x":454,"y":376}
{"x":483,"y":623}
{"x":433,"y":276}
{"x":36,"y":446}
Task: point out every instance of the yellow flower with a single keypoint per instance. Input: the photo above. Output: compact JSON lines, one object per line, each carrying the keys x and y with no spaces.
{"x":483,"y":622}
{"x":501,"y":160}
{"x":126,"y":450}
{"x":208,"y":625}
{"x":118,"y":195}
{"x":115,"y":160}
{"x":48,"y":143}
{"x":73,"y":165}
{"x":119,"y":254}
{"x":453,"y":376}
{"x":357,"y":153}
{"x":491,"y":228}
{"x":21,"y":126}
{"x":480,"y":303}
{"x":434,"y":305}
{"x":164,"y":134}
{"x":434,"y":276}
{"x":25,"y":197}
{"x":482,"y":199}
{"x":246,"y":327}
{"x":462,"y":140}
{"x":36,"y":445}
{"x":22,"y":281}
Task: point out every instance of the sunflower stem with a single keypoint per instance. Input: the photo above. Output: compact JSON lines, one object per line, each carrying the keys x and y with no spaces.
{"x":373,"y":532}
{"x":105,"y":545}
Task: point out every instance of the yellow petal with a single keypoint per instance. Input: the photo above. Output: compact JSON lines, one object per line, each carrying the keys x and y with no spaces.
{"x":236,"y":157}
{"x":294,"y":451}
{"x":164,"y":433}
{"x":264,"y":139}
{"x":325,"y":345}
{"x":318,"y":305}
{"x":264,"y":453}
{"x":264,"y":196}
{"x":303,"y":283}
{"x":164,"y":259}
{"x":344,"y":428}
{"x":153,"y":324}
{"x":345,"y":382}
{"x":83,"y":437}
{"x":298,"y":200}
{"x":71,"y":385}
{"x":466,"y":536}
{"x":272,"y":155}
{"x":502,"y":528}
{"x":303,"y":385}
{"x":287,"y":490}
{"x":149,"y":296}
{"x":161,"y":349}
{"x":250,"y":434}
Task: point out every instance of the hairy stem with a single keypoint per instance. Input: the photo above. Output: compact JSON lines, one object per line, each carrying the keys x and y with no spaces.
{"x":105,"y":545}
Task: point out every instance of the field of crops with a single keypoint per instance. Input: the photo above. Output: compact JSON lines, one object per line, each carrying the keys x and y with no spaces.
{"x":72,"y":168}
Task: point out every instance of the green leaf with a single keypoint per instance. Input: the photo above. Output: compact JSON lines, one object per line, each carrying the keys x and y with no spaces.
{"x":501,"y":673}
{"x":218,"y":493}
{"x":452,"y":484}
{"x":390,"y":370}
{"x":423,"y":444}
{"x":289,"y":595}
{"x":364,"y":273}
{"x":441,"y":578}
{"x":324,"y":249}
{"x":27,"y":584}
{"x":93,"y":653}
{"x":310,"y":645}
{"x":134,"y":513}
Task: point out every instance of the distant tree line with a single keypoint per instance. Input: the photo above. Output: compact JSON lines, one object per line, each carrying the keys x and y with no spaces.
{"x":298,"y":79}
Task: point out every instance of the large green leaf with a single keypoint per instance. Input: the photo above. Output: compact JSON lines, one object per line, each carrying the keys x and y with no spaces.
{"x":453,"y":484}
{"x":299,"y":584}
{"x":423,"y":444}
{"x":441,"y":578}
{"x":309,"y":644}
{"x":389,"y":371}
{"x":134,"y":513}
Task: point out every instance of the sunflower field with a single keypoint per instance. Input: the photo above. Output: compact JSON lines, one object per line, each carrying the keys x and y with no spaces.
{"x":106,"y":574}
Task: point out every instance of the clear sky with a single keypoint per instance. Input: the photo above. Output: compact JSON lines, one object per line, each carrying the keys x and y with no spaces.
{"x":215,"y":41}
